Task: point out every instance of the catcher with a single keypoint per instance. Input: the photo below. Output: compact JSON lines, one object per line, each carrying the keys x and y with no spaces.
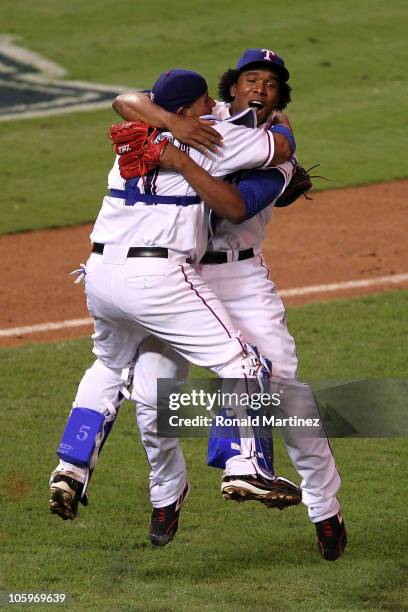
{"x":234,"y":268}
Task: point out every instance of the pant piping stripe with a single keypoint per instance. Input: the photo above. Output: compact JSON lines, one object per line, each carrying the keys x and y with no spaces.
{"x":209,"y":307}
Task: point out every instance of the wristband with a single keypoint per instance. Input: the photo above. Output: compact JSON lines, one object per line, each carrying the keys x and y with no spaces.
{"x":287,"y":133}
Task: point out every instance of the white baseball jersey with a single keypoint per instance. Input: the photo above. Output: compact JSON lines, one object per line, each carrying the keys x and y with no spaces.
{"x":183,"y":229}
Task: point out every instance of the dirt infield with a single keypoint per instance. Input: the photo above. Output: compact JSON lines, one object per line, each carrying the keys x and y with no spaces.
{"x":342,"y":235}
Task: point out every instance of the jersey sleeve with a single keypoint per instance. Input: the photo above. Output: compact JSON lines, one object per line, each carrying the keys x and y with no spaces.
{"x":259,"y":188}
{"x":243,"y":148}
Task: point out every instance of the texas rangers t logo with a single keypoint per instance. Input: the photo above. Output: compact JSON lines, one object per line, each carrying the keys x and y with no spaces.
{"x":268,"y":55}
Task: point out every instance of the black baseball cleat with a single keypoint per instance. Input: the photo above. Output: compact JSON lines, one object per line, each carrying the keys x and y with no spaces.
{"x":65,"y":493}
{"x":164,"y":521}
{"x":273,"y":493}
{"x":331,"y":537}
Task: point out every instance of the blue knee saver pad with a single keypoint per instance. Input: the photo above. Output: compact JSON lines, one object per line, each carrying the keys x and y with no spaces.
{"x":82,"y":432}
{"x":224,"y":440}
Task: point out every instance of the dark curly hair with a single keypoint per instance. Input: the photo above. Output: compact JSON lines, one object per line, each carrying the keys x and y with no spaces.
{"x":231,"y":76}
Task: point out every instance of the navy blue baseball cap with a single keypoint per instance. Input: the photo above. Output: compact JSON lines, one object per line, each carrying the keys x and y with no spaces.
{"x":263,"y":57}
{"x":178,"y":87}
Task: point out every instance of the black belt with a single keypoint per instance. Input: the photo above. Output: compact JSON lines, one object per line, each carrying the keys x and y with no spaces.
{"x":220,"y":257}
{"x":97,"y":247}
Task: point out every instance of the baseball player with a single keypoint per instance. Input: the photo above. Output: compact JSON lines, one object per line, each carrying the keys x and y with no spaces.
{"x":234,"y":268}
{"x":140,"y":285}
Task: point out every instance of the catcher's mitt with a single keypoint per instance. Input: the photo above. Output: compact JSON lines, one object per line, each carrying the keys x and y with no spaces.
{"x":139,"y":147}
{"x":300,"y":184}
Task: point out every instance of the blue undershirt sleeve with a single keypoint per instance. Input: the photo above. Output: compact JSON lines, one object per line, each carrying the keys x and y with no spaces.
{"x":260,"y":188}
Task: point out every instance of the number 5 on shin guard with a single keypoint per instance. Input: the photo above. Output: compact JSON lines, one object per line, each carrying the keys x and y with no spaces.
{"x":82,"y":434}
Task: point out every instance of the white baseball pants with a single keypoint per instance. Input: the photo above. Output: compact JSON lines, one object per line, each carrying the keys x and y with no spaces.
{"x":134,"y":300}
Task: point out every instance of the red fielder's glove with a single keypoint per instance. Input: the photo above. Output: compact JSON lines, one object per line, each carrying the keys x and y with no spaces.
{"x":139,"y":147}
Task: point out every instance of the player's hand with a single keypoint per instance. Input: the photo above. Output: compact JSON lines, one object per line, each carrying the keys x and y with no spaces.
{"x":194,"y":132}
{"x":279,"y":117}
{"x":171,"y":157}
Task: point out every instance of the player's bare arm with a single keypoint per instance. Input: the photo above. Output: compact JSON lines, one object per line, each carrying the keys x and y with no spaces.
{"x":278,"y":117}
{"x":237,"y":204}
{"x":284,"y":140}
{"x":188,"y":129}
{"x":223,"y":198}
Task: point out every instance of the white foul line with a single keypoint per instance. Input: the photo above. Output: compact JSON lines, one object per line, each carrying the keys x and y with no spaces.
{"x":43,"y":327}
{"x":371,"y":282}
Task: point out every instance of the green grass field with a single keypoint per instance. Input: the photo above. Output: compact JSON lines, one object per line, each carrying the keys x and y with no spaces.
{"x":226,"y":556}
{"x":347,"y":64}
{"x":348,"y":73}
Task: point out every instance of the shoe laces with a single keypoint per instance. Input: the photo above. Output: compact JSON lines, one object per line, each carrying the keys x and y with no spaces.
{"x":161,"y":515}
{"x":328,"y":530}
